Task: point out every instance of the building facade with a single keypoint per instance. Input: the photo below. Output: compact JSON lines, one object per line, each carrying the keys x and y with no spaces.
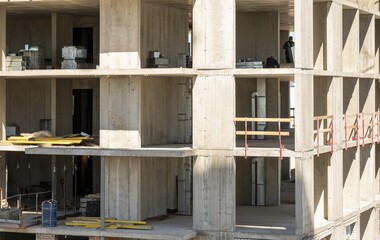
{"x":213,"y":146}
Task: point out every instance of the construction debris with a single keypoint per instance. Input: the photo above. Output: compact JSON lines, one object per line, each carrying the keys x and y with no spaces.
{"x":110,"y":223}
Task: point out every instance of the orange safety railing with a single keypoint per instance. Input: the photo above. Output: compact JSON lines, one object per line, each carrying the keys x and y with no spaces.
{"x":324,"y":132}
{"x":366,"y":125}
{"x":278,"y":133}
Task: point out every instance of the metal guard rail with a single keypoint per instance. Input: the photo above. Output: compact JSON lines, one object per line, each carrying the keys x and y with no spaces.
{"x":19,"y":199}
{"x":278,"y":133}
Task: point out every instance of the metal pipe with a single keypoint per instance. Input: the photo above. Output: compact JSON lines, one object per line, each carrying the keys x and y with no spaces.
{"x":53,"y":177}
{"x":64,"y":188}
{"x":29,"y":188}
{"x":75,"y":183}
{"x":102,"y":193}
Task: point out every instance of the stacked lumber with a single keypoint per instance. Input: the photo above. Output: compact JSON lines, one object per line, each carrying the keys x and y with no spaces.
{"x":110,"y":223}
{"x":45,"y":139}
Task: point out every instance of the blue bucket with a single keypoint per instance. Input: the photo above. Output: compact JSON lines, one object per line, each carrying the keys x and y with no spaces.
{"x":49,"y":213}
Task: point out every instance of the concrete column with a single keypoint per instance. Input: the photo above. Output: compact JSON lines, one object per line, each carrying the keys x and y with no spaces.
{"x":3,"y":183}
{"x":304,"y":144}
{"x":214,"y":170}
{"x":123,"y":184}
{"x":335,"y":166}
{"x":334,"y":36}
{"x":3,"y":37}
{"x":120,"y":27}
{"x":214,"y":195}
{"x":214,"y":34}
{"x":41,"y":236}
{"x":120,"y":98}
{"x":62,"y":35}
{"x":303,"y":24}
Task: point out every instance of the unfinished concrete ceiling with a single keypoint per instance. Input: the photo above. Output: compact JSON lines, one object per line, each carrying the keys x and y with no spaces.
{"x":91,"y":7}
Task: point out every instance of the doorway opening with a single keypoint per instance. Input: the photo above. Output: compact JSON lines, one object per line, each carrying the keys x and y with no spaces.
{"x":82,"y":123}
{"x":84,"y":37}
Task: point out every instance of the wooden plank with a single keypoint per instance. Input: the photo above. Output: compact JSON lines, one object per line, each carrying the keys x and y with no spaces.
{"x":283,"y":120}
{"x":323,"y":117}
{"x":262,"y":133}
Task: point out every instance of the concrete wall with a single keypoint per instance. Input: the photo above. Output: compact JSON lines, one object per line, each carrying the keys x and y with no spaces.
{"x":138,"y":188}
{"x":350,"y":179}
{"x":30,"y":30}
{"x":20,"y":177}
{"x":163,"y":28}
{"x":92,"y":84}
{"x":320,"y":13}
{"x":166,"y":110}
{"x":367,"y":43}
{"x":90,"y":22}
{"x":350,"y":40}
{"x":320,"y":186}
{"x":243,"y":181}
{"x":257,"y":35}
{"x":28,"y":101}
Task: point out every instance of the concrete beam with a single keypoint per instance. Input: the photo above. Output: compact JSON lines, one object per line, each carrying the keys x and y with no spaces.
{"x":120,"y":28}
{"x":214,"y":34}
{"x":3,"y":37}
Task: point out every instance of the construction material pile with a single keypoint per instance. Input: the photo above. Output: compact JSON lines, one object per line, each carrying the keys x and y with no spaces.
{"x":110,"y":223}
{"x":46,"y":138}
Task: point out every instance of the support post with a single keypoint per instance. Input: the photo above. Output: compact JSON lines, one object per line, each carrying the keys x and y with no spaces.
{"x":214,"y":132}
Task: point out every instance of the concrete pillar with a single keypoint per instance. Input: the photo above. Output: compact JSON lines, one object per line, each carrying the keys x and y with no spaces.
{"x":62,"y":35}
{"x":41,"y":236}
{"x":120,"y":98}
{"x":3,"y":115}
{"x":303,"y":24}
{"x":304,"y":144}
{"x":3,"y":37}
{"x":334,"y":36}
{"x":120,"y":28}
{"x":214,"y":170}
{"x":214,"y":34}
{"x":214,"y":110}
{"x":350,"y":61}
{"x":3,"y":183}
{"x":335,"y":166}
{"x":123,"y":185}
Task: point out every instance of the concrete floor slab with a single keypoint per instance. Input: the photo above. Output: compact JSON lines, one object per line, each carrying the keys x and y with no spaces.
{"x":277,"y":220}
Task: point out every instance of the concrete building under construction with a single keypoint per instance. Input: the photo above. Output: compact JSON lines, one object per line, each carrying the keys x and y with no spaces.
{"x":172,"y":112}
